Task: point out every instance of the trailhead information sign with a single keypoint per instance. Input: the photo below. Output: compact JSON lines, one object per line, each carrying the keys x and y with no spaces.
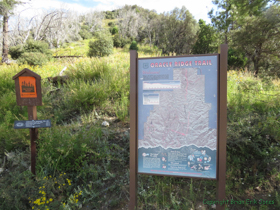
{"x":177,"y":116}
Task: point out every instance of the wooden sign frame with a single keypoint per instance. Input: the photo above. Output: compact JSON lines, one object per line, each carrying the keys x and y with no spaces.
{"x":25,"y":98}
{"x":221,"y":124}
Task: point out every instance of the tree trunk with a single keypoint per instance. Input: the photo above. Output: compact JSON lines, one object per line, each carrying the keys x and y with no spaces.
{"x":5,"y":50}
{"x":256,"y":67}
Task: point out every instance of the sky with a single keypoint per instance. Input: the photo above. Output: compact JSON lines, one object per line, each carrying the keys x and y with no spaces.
{"x":198,"y":8}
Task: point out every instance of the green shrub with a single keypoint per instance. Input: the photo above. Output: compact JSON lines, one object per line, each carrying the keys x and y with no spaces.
{"x":112,"y":24}
{"x":31,"y":46}
{"x":85,"y":33}
{"x":103,"y":46}
{"x":120,"y":41}
{"x":114,"y":30}
{"x":236,"y":59}
{"x":117,"y":41}
{"x":16,"y":51}
{"x":38,"y":46}
{"x":133,"y":46}
{"x":33,"y":58}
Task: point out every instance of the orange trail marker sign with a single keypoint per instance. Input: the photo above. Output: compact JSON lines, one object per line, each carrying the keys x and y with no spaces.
{"x":27,"y":87}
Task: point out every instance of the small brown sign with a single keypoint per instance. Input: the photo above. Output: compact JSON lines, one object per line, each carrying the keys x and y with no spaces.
{"x":28,"y":88}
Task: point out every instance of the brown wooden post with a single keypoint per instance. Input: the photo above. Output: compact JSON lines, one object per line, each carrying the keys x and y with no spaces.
{"x":222,"y":126}
{"x":28,"y":93}
{"x":133,"y":130}
{"x":32,"y":115}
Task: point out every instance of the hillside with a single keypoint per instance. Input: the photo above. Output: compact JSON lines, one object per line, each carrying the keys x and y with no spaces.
{"x":83,"y":165}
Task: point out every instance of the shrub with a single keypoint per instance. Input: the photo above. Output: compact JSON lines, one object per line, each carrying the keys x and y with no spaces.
{"x":30,"y":46}
{"x":114,"y":30}
{"x":16,"y":51}
{"x":33,"y":58}
{"x":85,"y":33}
{"x":112,"y":24}
{"x":38,"y":46}
{"x":133,"y":46}
{"x":236,"y":59}
{"x":103,"y":46}
{"x":119,"y":41}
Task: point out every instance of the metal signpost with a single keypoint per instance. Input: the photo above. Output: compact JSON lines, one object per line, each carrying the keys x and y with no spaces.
{"x":28,"y":93}
{"x":178,"y":118}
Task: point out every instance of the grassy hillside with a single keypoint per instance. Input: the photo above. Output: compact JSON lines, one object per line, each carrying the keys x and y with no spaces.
{"x":82,"y":165}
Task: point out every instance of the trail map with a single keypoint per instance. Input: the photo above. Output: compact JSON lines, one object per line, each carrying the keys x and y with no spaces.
{"x":177,"y":116}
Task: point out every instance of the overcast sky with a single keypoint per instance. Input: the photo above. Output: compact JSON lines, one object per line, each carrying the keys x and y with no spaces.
{"x":198,"y":8}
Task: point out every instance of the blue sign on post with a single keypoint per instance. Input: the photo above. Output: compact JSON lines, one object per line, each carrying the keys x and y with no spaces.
{"x":32,"y":124}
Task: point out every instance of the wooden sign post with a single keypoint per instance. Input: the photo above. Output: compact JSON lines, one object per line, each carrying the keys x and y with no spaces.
{"x":28,"y":93}
{"x":178,"y":118}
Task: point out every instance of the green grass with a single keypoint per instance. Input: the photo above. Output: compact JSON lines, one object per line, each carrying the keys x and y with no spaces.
{"x":96,"y":159}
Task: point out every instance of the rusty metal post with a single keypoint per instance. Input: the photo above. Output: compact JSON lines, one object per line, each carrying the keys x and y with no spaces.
{"x":133,"y":165}
{"x":32,"y":115}
{"x":222,"y":126}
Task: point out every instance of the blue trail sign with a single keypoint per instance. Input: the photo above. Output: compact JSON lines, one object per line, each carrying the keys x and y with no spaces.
{"x":32,"y":124}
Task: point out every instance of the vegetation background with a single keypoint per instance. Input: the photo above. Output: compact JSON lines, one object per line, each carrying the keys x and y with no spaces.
{"x":83,"y":165}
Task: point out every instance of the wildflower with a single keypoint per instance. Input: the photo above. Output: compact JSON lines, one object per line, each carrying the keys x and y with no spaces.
{"x":59,"y":187}
{"x":51,"y":199}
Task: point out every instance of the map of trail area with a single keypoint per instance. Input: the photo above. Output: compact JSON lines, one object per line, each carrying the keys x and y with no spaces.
{"x":181,"y":117}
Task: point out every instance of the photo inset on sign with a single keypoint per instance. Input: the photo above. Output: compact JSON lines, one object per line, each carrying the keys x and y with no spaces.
{"x":150,"y":99}
{"x":27,"y":87}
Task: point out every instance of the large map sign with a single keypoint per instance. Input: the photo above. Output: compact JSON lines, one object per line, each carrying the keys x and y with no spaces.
{"x":177,"y":116}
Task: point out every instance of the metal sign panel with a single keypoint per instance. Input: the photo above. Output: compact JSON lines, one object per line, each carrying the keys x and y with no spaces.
{"x":177,"y":116}
{"x":32,"y":124}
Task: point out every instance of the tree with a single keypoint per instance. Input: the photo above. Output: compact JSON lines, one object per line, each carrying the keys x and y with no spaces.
{"x":233,"y":12}
{"x":55,"y":27}
{"x":6,"y":10}
{"x":259,"y":37}
{"x":177,"y":32}
{"x":129,"y":22}
{"x":224,"y":19}
{"x":205,"y":40}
